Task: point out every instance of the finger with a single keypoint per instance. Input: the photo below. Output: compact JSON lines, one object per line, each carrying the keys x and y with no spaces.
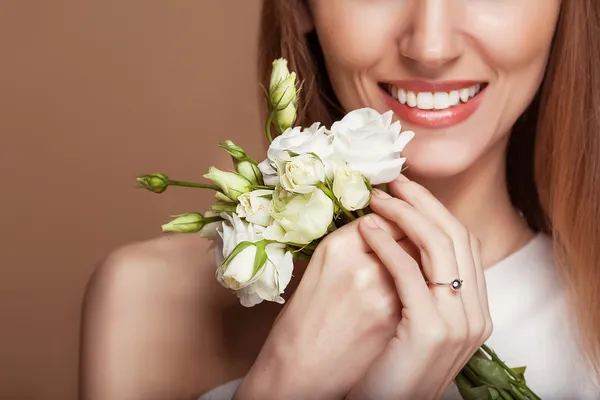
{"x":472,"y":288}
{"x":439,"y":261}
{"x":437,"y":257}
{"x":348,"y":236}
{"x":410,"y":285}
{"x":481,"y":283}
{"x":433,"y":209}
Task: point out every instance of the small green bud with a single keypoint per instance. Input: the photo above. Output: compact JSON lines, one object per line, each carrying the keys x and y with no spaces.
{"x":185,"y":223}
{"x":282,"y":88}
{"x":244,"y":164}
{"x":285,"y":93}
{"x":285,"y":119}
{"x":156,"y":183}
{"x":279,"y":72}
{"x":250,"y":171}
{"x":223,"y":207}
{"x":235,"y":151}
{"x":231,"y":184}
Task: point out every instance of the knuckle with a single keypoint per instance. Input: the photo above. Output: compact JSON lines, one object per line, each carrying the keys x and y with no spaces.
{"x":333,"y":244}
{"x":462,"y":235}
{"x":477,"y":329}
{"x":386,"y":305}
{"x":441,"y":240}
{"x":360,"y":278}
{"x":436,"y":334}
{"x":489,"y":328}
{"x":459,"y":335}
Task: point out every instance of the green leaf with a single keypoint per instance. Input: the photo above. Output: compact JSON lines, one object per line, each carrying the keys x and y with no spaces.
{"x":260,"y":258}
{"x":520,"y":372}
{"x":494,"y":394}
{"x":472,"y":376}
{"x":237,"y":250}
{"x":489,"y":372}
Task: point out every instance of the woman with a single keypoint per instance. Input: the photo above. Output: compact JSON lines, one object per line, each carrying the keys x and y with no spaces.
{"x":505,"y":99}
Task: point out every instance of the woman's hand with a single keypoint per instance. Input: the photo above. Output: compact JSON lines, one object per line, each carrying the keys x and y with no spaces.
{"x":342,"y":315}
{"x":440,"y":329}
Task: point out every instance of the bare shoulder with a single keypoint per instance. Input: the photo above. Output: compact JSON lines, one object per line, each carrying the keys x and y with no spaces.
{"x":179,"y":263}
{"x":153,"y":323}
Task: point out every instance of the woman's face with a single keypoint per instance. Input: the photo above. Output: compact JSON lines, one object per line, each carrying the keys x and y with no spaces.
{"x":457,"y":72}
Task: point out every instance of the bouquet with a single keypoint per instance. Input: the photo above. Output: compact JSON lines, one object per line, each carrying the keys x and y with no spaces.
{"x":313,"y":181}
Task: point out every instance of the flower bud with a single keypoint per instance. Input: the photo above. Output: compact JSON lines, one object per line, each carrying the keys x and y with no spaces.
{"x":186,"y":223}
{"x":231,"y":184}
{"x":285,"y":119}
{"x":279,"y":72}
{"x":244,"y":165}
{"x":156,"y":183}
{"x":250,"y":171}
{"x":285,"y":93}
{"x":224,"y":207}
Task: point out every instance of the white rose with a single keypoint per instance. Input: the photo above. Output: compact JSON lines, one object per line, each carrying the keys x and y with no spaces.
{"x":269,"y":173}
{"x":254,"y":206}
{"x":232,"y":232}
{"x":299,"y":218}
{"x":274,"y":278}
{"x":371,"y":144}
{"x":300,"y":174}
{"x":252,"y":287}
{"x":300,"y":141}
{"x":350,"y":188}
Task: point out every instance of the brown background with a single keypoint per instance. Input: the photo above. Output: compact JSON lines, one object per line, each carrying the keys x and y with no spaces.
{"x":93,"y":93}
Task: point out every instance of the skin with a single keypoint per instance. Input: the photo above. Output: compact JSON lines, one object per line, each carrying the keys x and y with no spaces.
{"x":156,"y":301}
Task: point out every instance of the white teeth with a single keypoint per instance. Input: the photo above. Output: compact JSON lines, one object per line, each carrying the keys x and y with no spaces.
{"x":441,"y":101}
{"x":425,"y":101}
{"x":436,"y":100}
{"x":402,"y":96}
{"x":411,"y":99}
{"x":464,"y":94}
{"x":454,"y":98}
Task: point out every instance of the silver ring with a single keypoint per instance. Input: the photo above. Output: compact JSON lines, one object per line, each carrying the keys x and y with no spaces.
{"x":455,"y":284}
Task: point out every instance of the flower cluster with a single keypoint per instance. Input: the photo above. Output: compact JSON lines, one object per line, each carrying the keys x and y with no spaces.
{"x":313,"y":180}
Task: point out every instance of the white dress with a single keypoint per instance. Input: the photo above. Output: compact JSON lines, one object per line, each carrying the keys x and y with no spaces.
{"x":532,"y":327}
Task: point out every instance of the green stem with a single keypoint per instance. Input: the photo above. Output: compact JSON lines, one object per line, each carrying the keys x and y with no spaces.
{"x":268,"y":125}
{"x":510,"y":372}
{"x":193,"y":184}
{"x":262,"y":187}
{"x":360,"y":213}
{"x":517,"y":393}
{"x":210,"y":220}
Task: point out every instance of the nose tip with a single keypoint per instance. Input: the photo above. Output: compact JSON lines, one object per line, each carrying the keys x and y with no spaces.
{"x":432,"y":38}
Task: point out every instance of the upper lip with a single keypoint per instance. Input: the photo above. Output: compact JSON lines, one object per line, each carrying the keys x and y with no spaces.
{"x":438,"y":86}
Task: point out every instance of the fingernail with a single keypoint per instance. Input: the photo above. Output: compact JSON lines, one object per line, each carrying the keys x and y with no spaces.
{"x":402,"y":178}
{"x":381,"y":194}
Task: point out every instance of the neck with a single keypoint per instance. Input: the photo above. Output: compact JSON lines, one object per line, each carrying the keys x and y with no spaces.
{"x":479,"y":198}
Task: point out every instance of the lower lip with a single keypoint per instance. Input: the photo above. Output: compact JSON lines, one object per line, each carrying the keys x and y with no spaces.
{"x":434,"y":118}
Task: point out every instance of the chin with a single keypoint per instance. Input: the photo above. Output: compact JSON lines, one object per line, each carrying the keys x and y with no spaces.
{"x":434,"y":160}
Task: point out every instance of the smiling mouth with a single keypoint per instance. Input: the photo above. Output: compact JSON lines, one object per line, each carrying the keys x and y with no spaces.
{"x":434,"y":98}
{"x":433,"y":105}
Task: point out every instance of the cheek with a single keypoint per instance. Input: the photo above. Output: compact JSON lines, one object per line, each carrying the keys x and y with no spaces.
{"x":355,"y":38}
{"x":515,"y":36}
